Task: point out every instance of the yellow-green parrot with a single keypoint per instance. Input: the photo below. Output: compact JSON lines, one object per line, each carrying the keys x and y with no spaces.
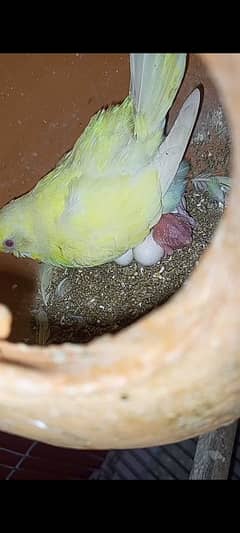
{"x":105,"y":196}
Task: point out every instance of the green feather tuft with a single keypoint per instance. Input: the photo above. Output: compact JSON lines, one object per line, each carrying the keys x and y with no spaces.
{"x":217,"y":186}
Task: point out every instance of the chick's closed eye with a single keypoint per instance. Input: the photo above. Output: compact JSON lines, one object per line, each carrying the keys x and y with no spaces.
{"x":9,"y":243}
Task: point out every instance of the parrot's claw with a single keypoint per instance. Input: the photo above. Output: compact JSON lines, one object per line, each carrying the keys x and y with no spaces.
{"x":45,"y":274}
{"x":42,"y":328}
{"x":42,"y":325}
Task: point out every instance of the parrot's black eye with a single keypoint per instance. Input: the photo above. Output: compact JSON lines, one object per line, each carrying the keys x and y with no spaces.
{"x":9,"y":243}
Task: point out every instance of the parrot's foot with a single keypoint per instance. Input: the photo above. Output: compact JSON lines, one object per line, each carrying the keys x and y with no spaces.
{"x":45,"y":275}
{"x":42,"y":328}
{"x":173,"y":232}
{"x":42,"y":325}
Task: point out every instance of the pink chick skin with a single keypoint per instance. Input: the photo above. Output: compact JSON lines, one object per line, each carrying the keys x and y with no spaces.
{"x":173,"y":231}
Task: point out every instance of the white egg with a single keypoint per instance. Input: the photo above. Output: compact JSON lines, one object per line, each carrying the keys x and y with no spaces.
{"x":148,"y":253}
{"x":125,"y":259}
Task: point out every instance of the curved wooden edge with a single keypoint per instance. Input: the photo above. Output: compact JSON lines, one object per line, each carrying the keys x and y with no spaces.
{"x":172,"y":375}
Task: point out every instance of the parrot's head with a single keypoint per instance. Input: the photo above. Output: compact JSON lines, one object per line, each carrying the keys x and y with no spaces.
{"x":15,"y":230}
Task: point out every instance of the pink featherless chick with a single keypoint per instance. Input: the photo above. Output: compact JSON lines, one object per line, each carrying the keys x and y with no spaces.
{"x":174,"y":230}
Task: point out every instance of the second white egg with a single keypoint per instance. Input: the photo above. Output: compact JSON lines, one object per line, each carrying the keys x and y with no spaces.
{"x":148,"y":253}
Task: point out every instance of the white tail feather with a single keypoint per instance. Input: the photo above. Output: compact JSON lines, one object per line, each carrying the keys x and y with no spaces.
{"x":155,"y":80}
{"x":172,"y":150}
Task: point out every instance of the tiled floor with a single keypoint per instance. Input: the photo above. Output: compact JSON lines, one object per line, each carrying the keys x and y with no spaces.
{"x":170,"y":462}
{"x":22,"y":459}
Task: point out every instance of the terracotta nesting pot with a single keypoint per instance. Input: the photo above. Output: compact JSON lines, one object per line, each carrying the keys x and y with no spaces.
{"x":171,"y":375}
